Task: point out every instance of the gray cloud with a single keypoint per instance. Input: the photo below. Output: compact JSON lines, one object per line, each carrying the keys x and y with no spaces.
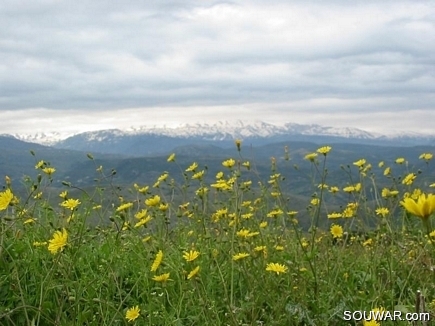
{"x":331,"y":58}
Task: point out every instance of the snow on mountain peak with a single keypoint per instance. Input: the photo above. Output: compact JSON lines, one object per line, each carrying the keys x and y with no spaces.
{"x":219,"y":131}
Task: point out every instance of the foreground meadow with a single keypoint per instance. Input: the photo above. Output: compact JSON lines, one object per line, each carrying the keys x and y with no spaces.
{"x":231,"y":251}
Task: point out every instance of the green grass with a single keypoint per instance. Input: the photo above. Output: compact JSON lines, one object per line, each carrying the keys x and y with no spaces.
{"x":103,"y":268}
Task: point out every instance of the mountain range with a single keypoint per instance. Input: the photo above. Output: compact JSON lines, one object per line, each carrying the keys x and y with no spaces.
{"x":149,"y":141}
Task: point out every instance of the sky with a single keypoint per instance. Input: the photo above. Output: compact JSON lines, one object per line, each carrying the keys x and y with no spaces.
{"x":75,"y":66}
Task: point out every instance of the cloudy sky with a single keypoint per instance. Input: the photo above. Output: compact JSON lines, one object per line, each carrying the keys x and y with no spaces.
{"x":88,"y":65}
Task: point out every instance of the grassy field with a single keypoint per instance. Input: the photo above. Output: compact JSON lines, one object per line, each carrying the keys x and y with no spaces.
{"x":227,"y":252}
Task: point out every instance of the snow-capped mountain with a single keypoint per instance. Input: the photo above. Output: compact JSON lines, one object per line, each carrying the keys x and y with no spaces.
{"x":147,"y":140}
{"x":43,"y":138}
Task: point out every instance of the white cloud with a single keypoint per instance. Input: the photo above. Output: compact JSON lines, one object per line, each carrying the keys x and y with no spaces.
{"x":89,"y":59}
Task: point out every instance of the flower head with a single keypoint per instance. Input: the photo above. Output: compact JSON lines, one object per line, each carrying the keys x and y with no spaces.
{"x":49,"y":171}
{"x":132,"y":313}
{"x":39,"y":165}
{"x":310,"y":157}
{"x":192,"y":167}
{"x":161,"y":278}
{"x":229,"y":163}
{"x":193,"y":273}
{"x":426,"y":156}
{"x":335,"y":215}
{"x":58,"y":242}
{"x":409,"y":179}
{"x":336,"y":231}
{"x":240,"y":256}
{"x":360,"y":163}
{"x":5,"y":199}
{"x":70,"y":203}
{"x":324,"y":150}
{"x":157,"y":261}
{"x":153,"y":201}
{"x":63,"y":195}
{"x":171,"y":157}
{"x":382,"y":211}
{"x":191,"y":255}
{"x":276,"y":268}
{"x":400,"y":160}
{"x":124,"y":207}
{"x":423,"y":207}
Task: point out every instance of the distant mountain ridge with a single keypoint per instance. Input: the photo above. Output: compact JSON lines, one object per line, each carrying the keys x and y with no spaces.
{"x":145,"y":140}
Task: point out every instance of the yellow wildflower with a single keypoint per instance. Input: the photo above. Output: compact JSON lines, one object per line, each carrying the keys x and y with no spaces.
{"x":63,"y":194}
{"x":58,"y":242}
{"x":142,"y":190}
{"x":349,"y":189}
{"x":157,"y":261}
{"x":229,"y":163}
{"x":240,"y":255}
{"x":389,"y":193}
{"x":324,"y":150}
{"x":192,"y":167}
{"x":143,"y":221}
{"x":335,"y":215}
{"x":49,"y":171}
{"x":382,"y":211}
{"x":274,"y":213}
{"x":276,"y":268}
{"x":260,"y":248}
{"x":70,"y":203}
{"x":423,"y":207}
{"x":198,"y":175}
{"x":153,"y":201}
{"x":315,"y":201}
{"x":193,"y":273}
{"x":39,"y":165}
{"x":163,"y":207}
{"x":400,"y":160}
{"x":171,"y":157}
{"x":360,"y":163}
{"x":387,"y":171}
{"x":191,"y":255}
{"x":5,"y":199}
{"x":29,"y":221}
{"x":371,"y":323}
{"x":336,"y":231}
{"x":141,"y":214}
{"x":132,"y":313}
{"x":163,"y":177}
{"x":368,"y":242}
{"x":310,"y":157}
{"x":426,"y":156}
{"x":124,"y":207}
{"x":409,"y":179}
{"x":161,"y":278}
{"x":334,"y":189}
